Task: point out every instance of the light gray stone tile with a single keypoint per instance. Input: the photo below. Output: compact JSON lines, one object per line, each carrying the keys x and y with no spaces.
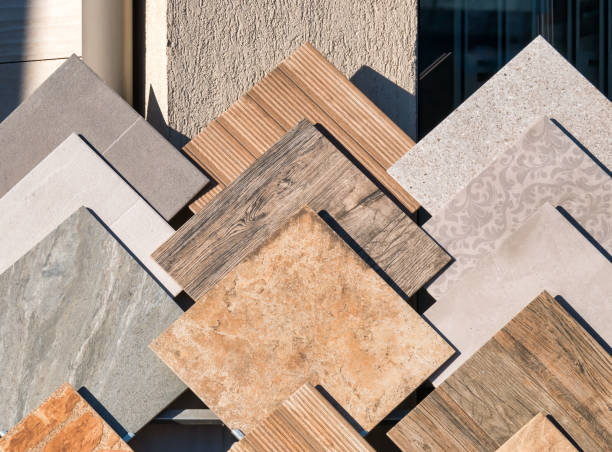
{"x":79,"y":308}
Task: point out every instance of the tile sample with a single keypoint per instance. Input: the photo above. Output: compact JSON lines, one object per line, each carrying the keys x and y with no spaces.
{"x":302,"y":168}
{"x":546,"y":252}
{"x":71,"y":176}
{"x":305,"y":421}
{"x":544,"y":166}
{"x":305,"y":85}
{"x":79,"y":308}
{"x":541,"y":361}
{"x":63,"y":422}
{"x":538,"y":435}
{"x":74,"y":100}
{"x":302,"y":307}
{"x":538,"y":81}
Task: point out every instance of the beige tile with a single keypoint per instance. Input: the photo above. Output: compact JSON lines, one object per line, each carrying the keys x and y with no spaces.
{"x":538,"y":435}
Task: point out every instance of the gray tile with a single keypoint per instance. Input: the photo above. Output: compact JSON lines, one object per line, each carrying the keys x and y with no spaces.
{"x":78,"y":308}
{"x":74,"y":99}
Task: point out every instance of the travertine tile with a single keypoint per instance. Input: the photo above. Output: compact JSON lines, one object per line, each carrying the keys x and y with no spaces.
{"x":64,"y":422}
{"x":79,"y":308}
{"x":538,"y":81}
{"x":546,"y":252}
{"x":72,"y":176}
{"x":538,"y":435}
{"x":301,"y":307}
{"x":74,"y":100}
{"x":543,"y":166}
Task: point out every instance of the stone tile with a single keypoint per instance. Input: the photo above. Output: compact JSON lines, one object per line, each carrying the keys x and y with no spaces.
{"x":79,"y":308}
{"x":63,"y":422}
{"x":543,"y":166}
{"x":546,"y":252}
{"x":74,"y":100}
{"x":69,"y":177}
{"x":538,"y":81}
{"x":303,"y":307}
{"x":538,"y":435}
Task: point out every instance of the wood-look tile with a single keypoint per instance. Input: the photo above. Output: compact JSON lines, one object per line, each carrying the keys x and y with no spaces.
{"x":538,"y":435}
{"x":306,"y":85}
{"x":543,"y":360}
{"x":302,"y":168}
{"x":71,"y":176}
{"x":75,"y":100}
{"x":547,"y":251}
{"x":64,"y":422}
{"x":301,"y":307}
{"x":79,"y":308}
{"x":306,"y":421}
{"x":543,"y":166}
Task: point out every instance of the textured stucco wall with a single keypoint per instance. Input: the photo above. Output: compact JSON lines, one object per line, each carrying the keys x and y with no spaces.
{"x":218,"y":49}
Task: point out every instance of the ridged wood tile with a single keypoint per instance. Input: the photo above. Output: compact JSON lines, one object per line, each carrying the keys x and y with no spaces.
{"x":306,"y":421}
{"x":64,"y":422}
{"x":538,"y":435}
{"x":303,"y":306}
{"x":543,"y":360}
{"x":302,"y":168}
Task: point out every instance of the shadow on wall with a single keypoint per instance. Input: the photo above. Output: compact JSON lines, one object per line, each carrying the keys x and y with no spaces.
{"x":395,"y":102}
{"x":12,"y":35}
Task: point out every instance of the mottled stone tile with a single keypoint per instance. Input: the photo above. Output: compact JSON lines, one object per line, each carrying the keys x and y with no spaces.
{"x":64,"y":422}
{"x":538,"y":435}
{"x":79,"y":308}
{"x":303,"y":307}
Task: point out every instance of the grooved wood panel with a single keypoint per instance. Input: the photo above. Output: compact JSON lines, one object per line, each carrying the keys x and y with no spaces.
{"x":538,"y":435}
{"x":541,"y":361}
{"x":306,"y":421}
{"x":302,"y":168}
{"x":305,"y":85}
{"x":302,"y":307}
{"x":63,"y":422}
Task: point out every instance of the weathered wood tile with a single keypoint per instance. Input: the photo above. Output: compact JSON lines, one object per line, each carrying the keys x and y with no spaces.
{"x":302,"y":168}
{"x":547,"y":251}
{"x":543,"y":166}
{"x":64,"y":422}
{"x":74,"y":100}
{"x":71,"y":176}
{"x":543,"y":360}
{"x":537,"y":82}
{"x":305,"y":85}
{"x":79,"y":308}
{"x":302,"y":307}
{"x":538,"y":435}
{"x":306,"y":421}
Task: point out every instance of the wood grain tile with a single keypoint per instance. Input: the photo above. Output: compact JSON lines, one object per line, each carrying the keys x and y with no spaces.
{"x":306,"y":421}
{"x":302,"y":307}
{"x":538,"y":435}
{"x":64,"y":422}
{"x":541,"y":361}
{"x":302,"y":168}
{"x":307,"y":86}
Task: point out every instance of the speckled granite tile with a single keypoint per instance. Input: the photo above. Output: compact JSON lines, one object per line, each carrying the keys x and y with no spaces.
{"x":71,"y":176}
{"x":538,"y":81}
{"x":74,"y":100}
{"x":303,"y":307}
{"x":64,"y":422}
{"x":544,"y":166}
{"x":538,"y":435}
{"x":546,"y":252}
{"x":79,"y":308}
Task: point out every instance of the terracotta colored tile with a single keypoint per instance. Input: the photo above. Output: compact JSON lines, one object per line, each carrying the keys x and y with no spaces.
{"x":302,"y":307}
{"x":538,"y":435}
{"x":63,"y":422}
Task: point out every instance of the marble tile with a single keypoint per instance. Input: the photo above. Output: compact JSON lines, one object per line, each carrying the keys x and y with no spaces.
{"x":538,"y":435}
{"x":71,"y":176}
{"x":546,"y":252}
{"x":543,"y":166}
{"x":74,"y":100}
{"x":79,"y":308}
{"x":64,"y":422}
{"x":537,"y":82}
{"x":303,"y":307}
